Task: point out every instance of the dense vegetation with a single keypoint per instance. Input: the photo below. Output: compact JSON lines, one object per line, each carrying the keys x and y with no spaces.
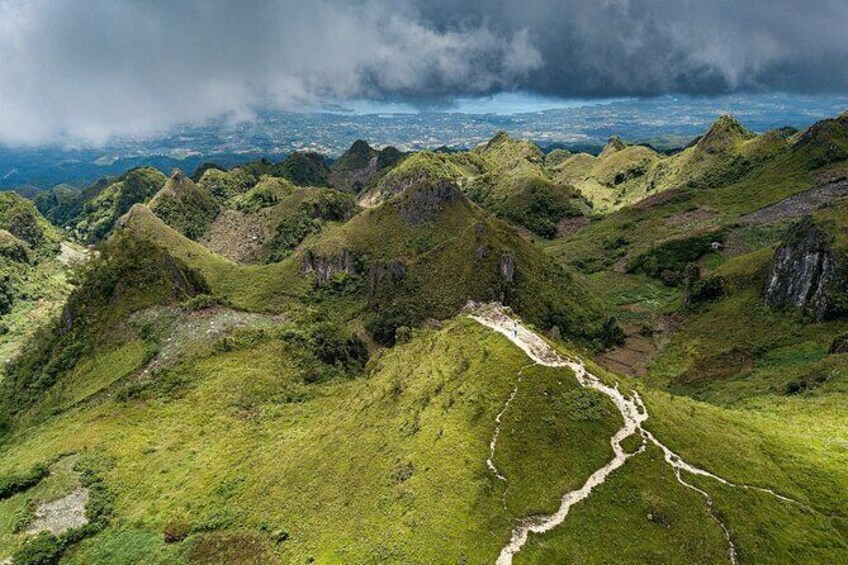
{"x":252,"y":368}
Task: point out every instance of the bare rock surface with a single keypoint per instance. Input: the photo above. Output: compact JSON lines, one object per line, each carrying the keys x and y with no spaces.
{"x":59,"y":516}
{"x":803,"y":272}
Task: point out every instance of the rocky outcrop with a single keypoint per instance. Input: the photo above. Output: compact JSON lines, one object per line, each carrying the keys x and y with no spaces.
{"x":614,"y":145}
{"x":13,"y":248}
{"x":722,"y":135}
{"x":804,"y":274}
{"x":382,"y":275}
{"x":423,"y":202}
{"x":326,"y":266}
{"x":506,"y":265}
{"x":839,"y":345}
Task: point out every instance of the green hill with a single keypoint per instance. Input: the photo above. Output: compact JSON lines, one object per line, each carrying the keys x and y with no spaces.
{"x":305,"y":169}
{"x":33,"y":278}
{"x":185,"y":206}
{"x":515,"y":185}
{"x":252,"y":371}
{"x":505,"y":176}
{"x":425,"y":252}
{"x":20,"y":218}
{"x":361,"y":166}
{"x":271,"y":219}
{"x":90,"y":214}
{"x":624,"y":174}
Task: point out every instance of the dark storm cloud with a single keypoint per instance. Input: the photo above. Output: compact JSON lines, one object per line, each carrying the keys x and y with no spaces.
{"x":91,"y":69}
{"x":645,"y":47}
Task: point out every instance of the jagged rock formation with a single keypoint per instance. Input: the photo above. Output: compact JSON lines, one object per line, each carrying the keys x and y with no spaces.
{"x":185,"y":206}
{"x":359,"y":167}
{"x":839,"y":345}
{"x":725,"y":132}
{"x":421,"y":204}
{"x":326,"y":267}
{"x":804,"y":273}
{"x":614,"y":144}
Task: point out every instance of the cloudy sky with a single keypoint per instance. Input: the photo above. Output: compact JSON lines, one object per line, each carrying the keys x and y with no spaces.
{"x":92,"y":69}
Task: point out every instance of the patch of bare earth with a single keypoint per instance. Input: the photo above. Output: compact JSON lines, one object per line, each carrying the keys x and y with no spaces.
{"x":61,"y":515}
{"x":568,"y":226}
{"x":236,"y":548}
{"x":799,"y":204}
{"x":641,"y":345}
{"x":238,"y":237}
{"x":72,"y":255}
{"x":658,"y":199}
{"x":631,"y":358}
{"x":188,"y":333}
{"x":690,"y":218}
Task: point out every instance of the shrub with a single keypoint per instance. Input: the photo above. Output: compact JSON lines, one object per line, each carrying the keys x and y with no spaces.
{"x":98,"y":510}
{"x":611,"y":334}
{"x":338,"y":346}
{"x":176,"y":531}
{"x":6,"y":295}
{"x":705,"y":290}
{"x":839,"y":345}
{"x":384,"y":324}
{"x":807,"y":382}
{"x":13,"y":484}
{"x":668,"y":260}
{"x":403,"y":334}
{"x":43,"y":549}
{"x":201,"y":302}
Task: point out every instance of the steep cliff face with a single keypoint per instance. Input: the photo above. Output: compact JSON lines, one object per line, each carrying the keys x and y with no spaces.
{"x":326,"y":267}
{"x":804,"y":273}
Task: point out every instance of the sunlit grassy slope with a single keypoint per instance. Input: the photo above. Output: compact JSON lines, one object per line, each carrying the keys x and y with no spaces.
{"x":233,"y":413}
{"x":390,"y":466}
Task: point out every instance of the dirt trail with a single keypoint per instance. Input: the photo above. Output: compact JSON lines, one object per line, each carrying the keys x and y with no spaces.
{"x":493,"y":444}
{"x":632,"y":410}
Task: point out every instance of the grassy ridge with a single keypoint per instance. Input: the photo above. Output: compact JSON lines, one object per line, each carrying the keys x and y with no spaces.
{"x":387,"y":467}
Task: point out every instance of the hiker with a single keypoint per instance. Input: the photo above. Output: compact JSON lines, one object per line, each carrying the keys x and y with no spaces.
{"x":514,"y":330}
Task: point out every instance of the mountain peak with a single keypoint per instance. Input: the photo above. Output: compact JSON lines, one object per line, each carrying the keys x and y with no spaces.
{"x":358,"y":156}
{"x":723,"y":133}
{"x":499,"y":138}
{"x":614,"y":145}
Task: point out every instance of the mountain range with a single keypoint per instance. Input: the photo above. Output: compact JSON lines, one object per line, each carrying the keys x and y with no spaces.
{"x":455,"y":356}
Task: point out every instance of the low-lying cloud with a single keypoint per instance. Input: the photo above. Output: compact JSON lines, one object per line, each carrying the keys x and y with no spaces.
{"x":94,"y":69}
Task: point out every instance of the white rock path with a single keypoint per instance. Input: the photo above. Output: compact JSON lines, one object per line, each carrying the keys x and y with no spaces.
{"x":632,"y":409}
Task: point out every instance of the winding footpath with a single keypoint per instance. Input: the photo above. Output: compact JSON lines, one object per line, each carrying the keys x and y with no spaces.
{"x":632,"y":410}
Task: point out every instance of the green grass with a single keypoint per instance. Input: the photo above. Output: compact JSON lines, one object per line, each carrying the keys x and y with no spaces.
{"x":391,"y":466}
{"x":18,"y":511}
{"x":268,"y":440}
{"x":552,"y":419}
{"x":640,"y":514}
{"x":260,"y":288}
